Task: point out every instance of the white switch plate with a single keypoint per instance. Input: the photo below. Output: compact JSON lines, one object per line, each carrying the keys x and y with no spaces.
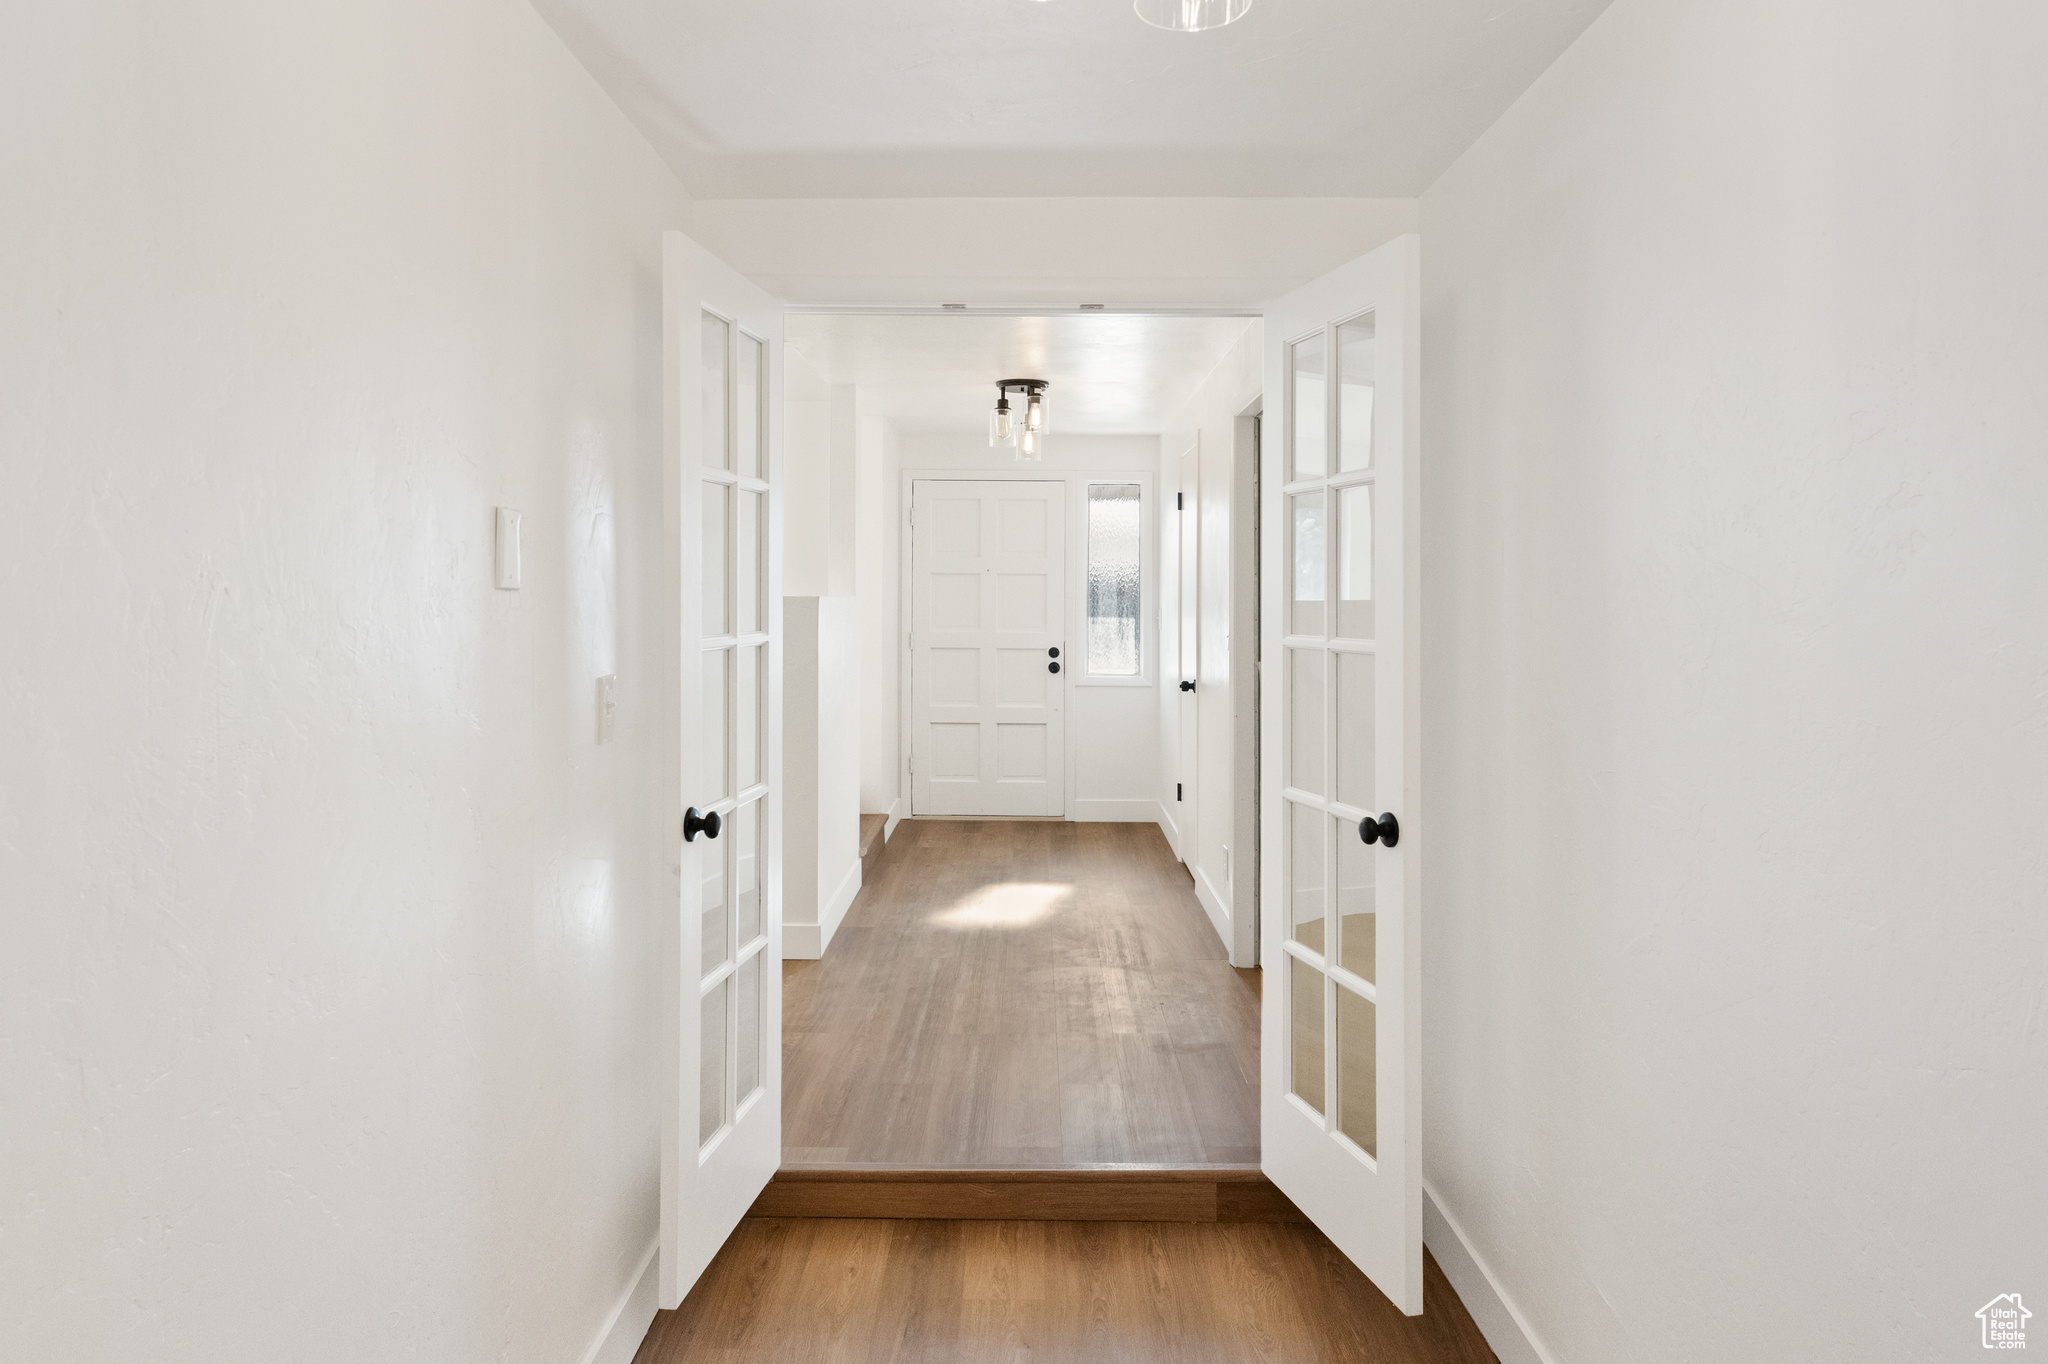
{"x":607,"y":706}
{"x":508,"y":549}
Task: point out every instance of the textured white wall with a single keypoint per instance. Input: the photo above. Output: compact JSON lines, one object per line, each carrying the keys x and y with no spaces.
{"x":1163,"y":253}
{"x":327,"y":975}
{"x":1736,"y":681}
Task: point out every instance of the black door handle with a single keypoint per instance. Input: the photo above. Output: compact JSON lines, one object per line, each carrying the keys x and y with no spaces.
{"x":693,"y":823}
{"x":1186,"y":685}
{"x":1053,"y":652}
{"x":1052,"y":667}
{"x":1386,"y":829}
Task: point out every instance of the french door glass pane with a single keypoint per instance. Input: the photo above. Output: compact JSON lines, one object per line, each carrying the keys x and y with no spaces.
{"x":1354,"y":394}
{"x":747,"y":406}
{"x":1306,"y":743}
{"x":1113,"y":553}
{"x":747,"y":587}
{"x":1357,"y":1071}
{"x":711,"y":1063}
{"x":1307,"y":831}
{"x":717,"y":941}
{"x":1354,"y":562}
{"x":748,"y":1064}
{"x":1307,"y":552}
{"x":712,"y":386}
{"x":714,"y":775}
{"x":715,"y":616}
{"x":1355,"y":921}
{"x":1305,"y":1033}
{"x":748,"y":716}
{"x":748,"y":853}
{"x":1309,"y":429}
{"x":1357,"y":701}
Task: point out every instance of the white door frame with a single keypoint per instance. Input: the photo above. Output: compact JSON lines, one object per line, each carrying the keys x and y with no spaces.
{"x":1075,"y":675}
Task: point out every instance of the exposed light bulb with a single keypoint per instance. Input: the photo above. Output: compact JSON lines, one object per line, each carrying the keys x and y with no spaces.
{"x":1029,"y":444}
{"x":1000,"y":429}
{"x":1034,"y":415}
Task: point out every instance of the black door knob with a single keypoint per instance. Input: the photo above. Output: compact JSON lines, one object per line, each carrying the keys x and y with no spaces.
{"x":1053,"y":652}
{"x":1052,"y":667}
{"x":1386,"y":829}
{"x":1186,"y":685}
{"x":694,"y":823}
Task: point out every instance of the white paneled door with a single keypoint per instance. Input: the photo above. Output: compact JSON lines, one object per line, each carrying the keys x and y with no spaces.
{"x":722,"y":1106}
{"x":1340,"y":1081}
{"x":1188,"y":519}
{"x":988,"y":647}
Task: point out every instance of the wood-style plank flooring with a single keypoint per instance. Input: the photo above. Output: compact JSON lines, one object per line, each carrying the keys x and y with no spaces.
{"x":844,"y":1291}
{"x":1015,"y":994}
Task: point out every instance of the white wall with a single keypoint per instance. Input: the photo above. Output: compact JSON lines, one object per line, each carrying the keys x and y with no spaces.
{"x":328,"y":981}
{"x":1736,"y":723}
{"x":1177,"y":253}
{"x":1113,"y":730}
{"x":821,"y":770}
{"x":1207,"y":423}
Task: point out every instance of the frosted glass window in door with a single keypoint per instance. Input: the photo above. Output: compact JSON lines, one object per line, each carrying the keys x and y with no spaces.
{"x":1113,"y":573}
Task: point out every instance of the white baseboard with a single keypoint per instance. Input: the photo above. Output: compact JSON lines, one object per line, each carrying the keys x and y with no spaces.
{"x":1167,"y":825}
{"x":1503,"y":1325}
{"x":1096,"y":810}
{"x":807,"y":942}
{"x":894,"y":816}
{"x":619,"y":1338}
{"x":1212,"y":903}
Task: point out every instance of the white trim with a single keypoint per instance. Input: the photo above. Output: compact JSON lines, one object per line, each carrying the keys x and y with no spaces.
{"x":1110,"y":810}
{"x":618,"y":1340}
{"x":892,"y":817}
{"x":1495,"y":1313}
{"x":1170,"y":827}
{"x":1212,"y":902}
{"x":807,"y":942}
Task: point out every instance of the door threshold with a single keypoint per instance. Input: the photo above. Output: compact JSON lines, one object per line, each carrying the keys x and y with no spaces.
{"x":1096,"y":1193}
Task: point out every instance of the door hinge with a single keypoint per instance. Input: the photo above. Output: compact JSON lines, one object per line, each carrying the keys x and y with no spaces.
{"x":1179,"y":502}
{"x":1176,"y":790}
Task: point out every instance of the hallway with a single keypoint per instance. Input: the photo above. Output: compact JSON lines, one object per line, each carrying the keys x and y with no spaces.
{"x":1020,"y":994}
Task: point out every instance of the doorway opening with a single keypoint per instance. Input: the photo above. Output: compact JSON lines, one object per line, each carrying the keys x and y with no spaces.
{"x":1026,"y":721}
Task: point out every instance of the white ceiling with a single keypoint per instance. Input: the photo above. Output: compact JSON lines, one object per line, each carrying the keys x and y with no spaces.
{"x":1110,"y":374}
{"x":910,"y":98}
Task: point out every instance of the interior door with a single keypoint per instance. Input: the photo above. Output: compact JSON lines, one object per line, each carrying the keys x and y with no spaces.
{"x":1189,"y":520}
{"x":722,"y":1112}
{"x":988,"y":647}
{"x":1341,"y":1083}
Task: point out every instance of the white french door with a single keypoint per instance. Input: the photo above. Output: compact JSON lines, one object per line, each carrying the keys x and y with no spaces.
{"x":722,"y":1109}
{"x":1340,"y":1102}
{"x":987,"y":647}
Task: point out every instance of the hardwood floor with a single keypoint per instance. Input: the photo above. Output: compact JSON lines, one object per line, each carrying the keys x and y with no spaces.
{"x":1011,"y":994}
{"x":844,"y":1291}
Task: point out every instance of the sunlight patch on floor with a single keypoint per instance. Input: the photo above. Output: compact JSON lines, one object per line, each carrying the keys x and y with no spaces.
{"x":1013,"y":904}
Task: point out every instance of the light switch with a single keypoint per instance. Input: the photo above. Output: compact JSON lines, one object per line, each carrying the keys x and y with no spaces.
{"x":607,"y":706}
{"x":508,"y":549}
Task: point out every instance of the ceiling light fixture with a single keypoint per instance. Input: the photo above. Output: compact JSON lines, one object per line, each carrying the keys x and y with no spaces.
{"x":1026,"y":432}
{"x":1191,"y":16}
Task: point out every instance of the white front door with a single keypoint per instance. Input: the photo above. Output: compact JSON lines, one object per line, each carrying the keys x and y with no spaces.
{"x":1340,"y":1112}
{"x":722,"y":1119}
{"x":1188,"y":518}
{"x":988,"y":647}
